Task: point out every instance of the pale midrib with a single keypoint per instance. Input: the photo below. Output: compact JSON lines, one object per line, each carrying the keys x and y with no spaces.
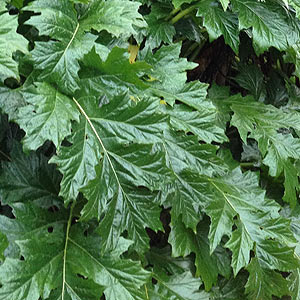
{"x":100,"y":141}
{"x":71,"y":40}
{"x":65,"y":252}
{"x":102,"y":145}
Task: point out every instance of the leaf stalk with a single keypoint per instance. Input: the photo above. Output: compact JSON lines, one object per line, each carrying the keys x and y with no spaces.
{"x":182,"y":14}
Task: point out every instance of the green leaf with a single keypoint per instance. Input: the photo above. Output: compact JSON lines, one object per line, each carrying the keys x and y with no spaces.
{"x":238,"y":195}
{"x":251,"y":153}
{"x":168,"y":75}
{"x":294,"y":284}
{"x":263,"y":283}
{"x":292,"y":56}
{"x":81,"y":1}
{"x":224,"y":3}
{"x":3,"y":6}
{"x":131,"y":210}
{"x":128,"y":209}
{"x":11,"y":100}
{"x":77,"y":162}
{"x":47,"y":117}
{"x":296,"y":5}
{"x":17,"y":3}
{"x":58,"y":59}
{"x":272,"y":24}
{"x":3,"y":245}
{"x":276,"y":256}
{"x":8,"y":32}
{"x":251,"y":78}
{"x":265,"y":124}
{"x":108,"y":78}
{"x":161,"y":259}
{"x":28,"y":178}
{"x":202,"y":123}
{"x":77,"y":288}
{"x":183,"y":152}
{"x":219,"y":22}
{"x":230,"y":289}
{"x":133,"y":165}
{"x":159,"y":30}
{"x":122,"y":121}
{"x":184,"y":241}
{"x":66,"y":260}
{"x":178,"y":287}
{"x":240,"y":245}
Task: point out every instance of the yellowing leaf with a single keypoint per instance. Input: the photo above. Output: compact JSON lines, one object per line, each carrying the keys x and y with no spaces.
{"x":133,"y":50}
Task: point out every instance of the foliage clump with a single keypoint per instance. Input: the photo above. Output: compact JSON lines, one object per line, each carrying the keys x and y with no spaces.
{"x":149,"y":150}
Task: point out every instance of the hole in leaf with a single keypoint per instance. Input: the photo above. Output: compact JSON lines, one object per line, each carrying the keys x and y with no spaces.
{"x":154,"y":281}
{"x":22,"y":257}
{"x":74,"y":220}
{"x":81,"y":276}
{"x":50,"y":229}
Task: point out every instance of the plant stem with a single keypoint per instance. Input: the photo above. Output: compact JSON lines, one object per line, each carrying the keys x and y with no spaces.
{"x":190,"y":49}
{"x":246,"y":164}
{"x":182,"y":14}
{"x":175,"y":11}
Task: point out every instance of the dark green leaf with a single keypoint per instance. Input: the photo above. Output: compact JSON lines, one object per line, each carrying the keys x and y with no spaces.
{"x":178,"y":287}
{"x":28,"y":178}
{"x":272,"y":24}
{"x":263,"y":283}
{"x":8,"y":32}
{"x":208,"y":266}
{"x":47,"y":116}
{"x":58,"y":59}
{"x":219,"y":22}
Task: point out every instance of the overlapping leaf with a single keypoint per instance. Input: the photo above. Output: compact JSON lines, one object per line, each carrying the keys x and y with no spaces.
{"x":178,"y":3}
{"x":238,"y":195}
{"x":120,"y":122}
{"x":159,"y":29}
{"x":47,"y":116}
{"x":264,"y":283}
{"x":110,"y":78}
{"x":178,"y":287}
{"x":77,"y":162}
{"x":272,"y":24}
{"x":65,"y":260}
{"x":118,"y":138}
{"x":184,"y":153}
{"x":28,"y":178}
{"x":58,"y":58}
{"x":219,"y":22}
{"x":201,"y":123}
{"x":8,"y":32}
{"x":208,"y":265}
{"x":130,"y":209}
{"x":11,"y":101}
{"x":168,"y":76}
{"x":251,"y":78}
{"x":224,"y":3}
{"x":134,"y":138}
{"x":266,"y":124}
